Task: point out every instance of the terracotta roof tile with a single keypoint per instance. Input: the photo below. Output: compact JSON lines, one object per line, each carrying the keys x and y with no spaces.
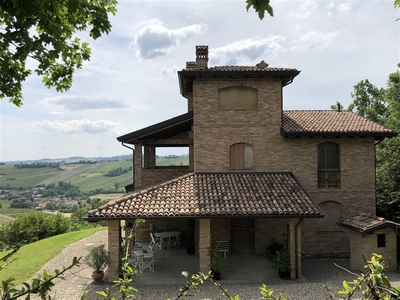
{"x":330,"y":122}
{"x":241,"y":69}
{"x":216,"y":194}
{"x":365,"y":223}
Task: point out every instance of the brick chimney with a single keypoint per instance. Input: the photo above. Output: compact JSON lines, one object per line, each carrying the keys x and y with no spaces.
{"x":202,"y":57}
{"x":191,"y":65}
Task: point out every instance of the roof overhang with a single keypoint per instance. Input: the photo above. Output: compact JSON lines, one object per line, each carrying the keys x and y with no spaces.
{"x":374,"y":135}
{"x":215,"y":195}
{"x":186,"y":77}
{"x":165,"y":129}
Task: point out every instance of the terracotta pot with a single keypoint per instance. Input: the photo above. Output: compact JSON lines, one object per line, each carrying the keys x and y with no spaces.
{"x":98,"y":276}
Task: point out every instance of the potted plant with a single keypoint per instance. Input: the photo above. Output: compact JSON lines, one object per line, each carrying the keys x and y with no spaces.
{"x":97,"y":259}
{"x":215,"y":260}
{"x":284,"y":263}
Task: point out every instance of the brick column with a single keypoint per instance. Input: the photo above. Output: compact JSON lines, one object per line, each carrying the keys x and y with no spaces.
{"x":204,"y":244}
{"x":152,"y":157}
{"x":147,"y":157}
{"x":138,"y":166}
{"x":114,"y":245}
{"x":292,"y":247}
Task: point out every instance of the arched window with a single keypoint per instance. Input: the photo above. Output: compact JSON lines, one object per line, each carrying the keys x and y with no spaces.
{"x":237,"y":97}
{"x":241,"y":156}
{"x":332,"y":216}
{"x":328,"y":165}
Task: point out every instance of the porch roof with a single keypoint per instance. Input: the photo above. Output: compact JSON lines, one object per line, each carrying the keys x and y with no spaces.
{"x":165,"y":129}
{"x":366,"y":223}
{"x":207,"y":195}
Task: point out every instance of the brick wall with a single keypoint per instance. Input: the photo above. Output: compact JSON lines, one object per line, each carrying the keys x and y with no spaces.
{"x":367,"y":244}
{"x":171,"y":224}
{"x":152,"y":177}
{"x":215,"y":130}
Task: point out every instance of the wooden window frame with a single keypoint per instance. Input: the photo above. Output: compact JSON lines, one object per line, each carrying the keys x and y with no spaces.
{"x":328,"y":176}
{"x":241,"y":156}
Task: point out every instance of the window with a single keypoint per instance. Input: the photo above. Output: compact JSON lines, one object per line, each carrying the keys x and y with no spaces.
{"x":328,"y":165}
{"x":237,"y":97}
{"x":241,"y":156}
{"x":331,"y":210}
{"x":381,"y":240}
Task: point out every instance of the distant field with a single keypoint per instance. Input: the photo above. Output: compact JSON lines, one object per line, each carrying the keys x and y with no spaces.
{"x":88,"y":177}
{"x":93,"y":178}
{"x":13,"y":177}
{"x":5,"y":219}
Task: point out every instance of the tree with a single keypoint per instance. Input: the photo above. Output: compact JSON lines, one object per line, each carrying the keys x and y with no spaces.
{"x":383,"y":106}
{"x":338,"y":106}
{"x":369,"y":101}
{"x":116,"y":185}
{"x":44,"y":30}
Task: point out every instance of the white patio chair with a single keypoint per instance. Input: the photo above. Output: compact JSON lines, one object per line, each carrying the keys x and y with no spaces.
{"x":155,"y":241}
{"x":135,"y":259}
{"x":146,"y":262}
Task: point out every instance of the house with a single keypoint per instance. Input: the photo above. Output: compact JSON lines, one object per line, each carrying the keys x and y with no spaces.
{"x":255,"y":171}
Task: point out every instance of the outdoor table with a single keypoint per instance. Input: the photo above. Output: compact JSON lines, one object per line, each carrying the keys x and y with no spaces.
{"x":167,"y":235}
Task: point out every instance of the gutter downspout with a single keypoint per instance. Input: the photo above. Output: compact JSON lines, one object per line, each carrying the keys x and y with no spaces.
{"x":295,"y":246}
{"x":133,"y":162}
{"x":376,"y":144}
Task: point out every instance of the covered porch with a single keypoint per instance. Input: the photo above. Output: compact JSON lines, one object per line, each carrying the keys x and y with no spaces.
{"x":218,"y":202}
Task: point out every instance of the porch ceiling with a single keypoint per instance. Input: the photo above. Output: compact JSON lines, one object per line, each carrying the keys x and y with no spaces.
{"x":207,"y":195}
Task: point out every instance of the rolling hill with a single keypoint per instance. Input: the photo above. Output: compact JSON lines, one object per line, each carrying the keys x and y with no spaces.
{"x":88,"y":177}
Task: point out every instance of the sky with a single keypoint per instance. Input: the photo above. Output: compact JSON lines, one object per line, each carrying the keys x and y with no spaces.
{"x":131,"y":80}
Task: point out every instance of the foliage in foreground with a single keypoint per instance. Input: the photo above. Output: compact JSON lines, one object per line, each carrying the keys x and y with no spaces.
{"x":34,"y":226}
{"x":372,"y":285}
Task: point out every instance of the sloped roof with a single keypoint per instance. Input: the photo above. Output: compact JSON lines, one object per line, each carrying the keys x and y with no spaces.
{"x":164,"y":129}
{"x":296,"y":123}
{"x":241,"y":69}
{"x":215,"y":195}
{"x":330,"y":123}
{"x":366,"y":223}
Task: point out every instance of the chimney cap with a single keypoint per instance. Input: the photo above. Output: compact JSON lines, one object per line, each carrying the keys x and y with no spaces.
{"x":262,"y":65}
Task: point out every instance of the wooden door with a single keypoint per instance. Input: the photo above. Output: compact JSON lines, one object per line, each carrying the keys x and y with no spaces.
{"x":242,"y":235}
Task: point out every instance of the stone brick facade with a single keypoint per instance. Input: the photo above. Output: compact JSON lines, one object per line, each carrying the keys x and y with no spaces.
{"x":214,"y":130}
{"x":366,"y":244}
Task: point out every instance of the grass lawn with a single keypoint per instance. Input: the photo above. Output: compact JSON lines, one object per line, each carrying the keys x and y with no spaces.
{"x":24,"y":267}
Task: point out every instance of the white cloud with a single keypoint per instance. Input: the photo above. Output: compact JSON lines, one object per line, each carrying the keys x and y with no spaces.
{"x":313,"y":40}
{"x":340,"y":7}
{"x":172,"y":70}
{"x":152,"y":38}
{"x":82,"y":126}
{"x":344,"y":7}
{"x":78,"y":103}
{"x":247,"y":50}
{"x":305,"y":11}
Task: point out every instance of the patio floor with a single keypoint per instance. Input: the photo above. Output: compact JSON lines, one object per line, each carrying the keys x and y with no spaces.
{"x":170,"y":263}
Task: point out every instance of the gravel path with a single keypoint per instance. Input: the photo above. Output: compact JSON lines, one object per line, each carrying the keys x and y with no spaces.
{"x":322,"y":280}
{"x":77,"y":279}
